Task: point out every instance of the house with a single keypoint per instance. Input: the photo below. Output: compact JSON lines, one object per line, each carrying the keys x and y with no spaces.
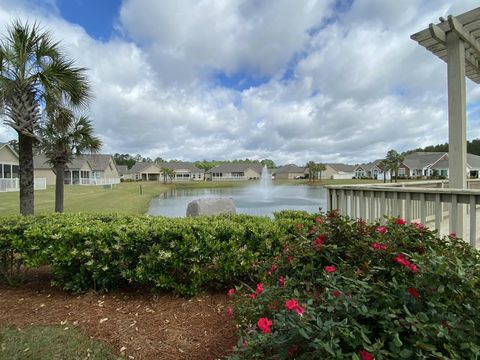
{"x":103,"y":166}
{"x":338,"y":171}
{"x":8,"y":162}
{"x":78,"y":171}
{"x":423,"y":164}
{"x":91,"y":169}
{"x":372,"y":170}
{"x":291,"y":171}
{"x":184,"y":171}
{"x":150,"y":171}
{"x":122,"y":169}
{"x":235,"y":171}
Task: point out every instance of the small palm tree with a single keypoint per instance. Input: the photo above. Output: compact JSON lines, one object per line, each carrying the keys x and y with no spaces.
{"x":63,"y":139}
{"x":35,"y":80}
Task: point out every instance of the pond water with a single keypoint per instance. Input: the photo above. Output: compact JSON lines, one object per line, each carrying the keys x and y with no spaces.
{"x":253,"y":200}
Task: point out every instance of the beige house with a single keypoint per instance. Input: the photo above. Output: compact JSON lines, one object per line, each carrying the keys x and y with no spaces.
{"x":103,"y":166}
{"x":338,"y":171}
{"x":8,"y":162}
{"x":93,"y":169}
{"x":235,"y":171}
{"x":150,"y":171}
{"x":290,"y":171}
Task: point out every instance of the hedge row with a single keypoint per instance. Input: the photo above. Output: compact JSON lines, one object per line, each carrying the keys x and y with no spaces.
{"x":102,"y":252}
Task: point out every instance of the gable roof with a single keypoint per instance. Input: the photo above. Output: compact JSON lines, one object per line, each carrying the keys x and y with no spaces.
{"x":473,"y":161}
{"x":99,"y":162}
{"x":7,"y":145}
{"x":122,"y":169}
{"x":41,"y":162}
{"x":369,"y":166}
{"x":420,"y":160}
{"x":342,"y":167}
{"x":139,"y":167}
{"x":237,"y":167}
{"x":290,"y":168}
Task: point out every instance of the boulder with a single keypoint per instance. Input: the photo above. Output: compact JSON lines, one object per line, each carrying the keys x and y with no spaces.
{"x":211,"y":207}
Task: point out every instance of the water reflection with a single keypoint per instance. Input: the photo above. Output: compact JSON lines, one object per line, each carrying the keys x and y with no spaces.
{"x":248,"y":200}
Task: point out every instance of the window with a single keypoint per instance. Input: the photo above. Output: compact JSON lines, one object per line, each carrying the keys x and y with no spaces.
{"x":1,"y":171}
{"x":7,"y":171}
{"x":95,"y":174}
{"x":238,"y":174}
{"x":401,"y":172}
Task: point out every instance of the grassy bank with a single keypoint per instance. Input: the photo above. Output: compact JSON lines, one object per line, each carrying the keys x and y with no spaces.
{"x":124,"y":198}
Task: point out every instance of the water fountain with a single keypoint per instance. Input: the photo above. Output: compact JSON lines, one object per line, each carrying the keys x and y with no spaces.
{"x":265,"y":182}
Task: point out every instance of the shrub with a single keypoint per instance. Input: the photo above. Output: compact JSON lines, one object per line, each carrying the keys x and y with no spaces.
{"x":102,"y":252}
{"x":344,"y":289}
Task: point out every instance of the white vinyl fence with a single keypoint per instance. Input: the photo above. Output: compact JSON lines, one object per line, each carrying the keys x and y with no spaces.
{"x":109,"y":181}
{"x":14,"y":184}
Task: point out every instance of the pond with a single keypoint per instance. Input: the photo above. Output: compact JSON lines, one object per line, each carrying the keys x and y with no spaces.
{"x":253,"y":200}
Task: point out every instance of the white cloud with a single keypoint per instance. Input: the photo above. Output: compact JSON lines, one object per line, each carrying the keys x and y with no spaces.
{"x":358,"y":86}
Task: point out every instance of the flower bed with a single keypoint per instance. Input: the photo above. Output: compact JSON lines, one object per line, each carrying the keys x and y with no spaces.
{"x":345,"y":289}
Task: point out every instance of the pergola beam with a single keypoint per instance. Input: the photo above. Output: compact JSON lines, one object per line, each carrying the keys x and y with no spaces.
{"x":440,"y":38}
{"x":457,"y":27}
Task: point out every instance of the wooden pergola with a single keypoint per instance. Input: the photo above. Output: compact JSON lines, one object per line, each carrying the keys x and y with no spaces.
{"x":456,"y":40}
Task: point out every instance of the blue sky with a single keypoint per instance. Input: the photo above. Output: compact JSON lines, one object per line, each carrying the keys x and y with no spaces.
{"x":96,"y":16}
{"x":293,"y":81}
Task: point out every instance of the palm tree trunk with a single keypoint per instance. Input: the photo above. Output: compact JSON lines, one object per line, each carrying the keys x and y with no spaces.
{"x":25,"y":147}
{"x":59,"y":187}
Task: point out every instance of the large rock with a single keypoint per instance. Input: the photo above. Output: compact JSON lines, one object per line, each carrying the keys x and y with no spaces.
{"x":211,"y":207}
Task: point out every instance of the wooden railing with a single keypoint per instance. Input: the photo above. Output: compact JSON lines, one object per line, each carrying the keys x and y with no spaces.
{"x":430,"y":203}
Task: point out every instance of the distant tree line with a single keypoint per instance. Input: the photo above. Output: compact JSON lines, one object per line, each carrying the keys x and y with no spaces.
{"x":473,"y":147}
{"x":130,"y":160}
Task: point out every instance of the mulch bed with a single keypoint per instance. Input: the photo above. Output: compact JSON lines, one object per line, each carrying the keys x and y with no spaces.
{"x":136,"y":323}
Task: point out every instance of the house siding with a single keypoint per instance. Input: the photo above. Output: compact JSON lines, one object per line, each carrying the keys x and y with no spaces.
{"x":47,"y":174}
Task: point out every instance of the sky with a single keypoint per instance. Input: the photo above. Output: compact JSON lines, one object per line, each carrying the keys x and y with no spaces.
{"x":287,"y":80}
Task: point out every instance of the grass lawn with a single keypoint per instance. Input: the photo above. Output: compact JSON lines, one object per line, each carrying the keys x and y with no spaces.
{"x":126,"y":198}
{"x":123,"y":198}
{"x":50,"y":342}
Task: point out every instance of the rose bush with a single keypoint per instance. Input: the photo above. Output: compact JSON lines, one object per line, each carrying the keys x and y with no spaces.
{"x":344,"y":289}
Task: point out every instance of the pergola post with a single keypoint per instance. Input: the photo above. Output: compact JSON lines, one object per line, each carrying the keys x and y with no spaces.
{"x":457,"y":119}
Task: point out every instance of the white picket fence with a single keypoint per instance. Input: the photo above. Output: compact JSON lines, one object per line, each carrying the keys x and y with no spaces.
{"x":109,"y":181}
{"x":14,"y":184}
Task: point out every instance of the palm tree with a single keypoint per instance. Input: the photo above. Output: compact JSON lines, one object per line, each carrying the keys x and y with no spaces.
{"x":62,"y":143}
{"x":394,"y":161}
{"x":321,"y":167}
{"x":35,"y":80}
{"x":167,"y":173}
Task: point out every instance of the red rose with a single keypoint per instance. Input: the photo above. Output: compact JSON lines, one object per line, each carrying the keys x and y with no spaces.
{"x":330,"y":269}
{"x":400,"y":221}
{"x":318,"y":220}
{"x":253,"y":295}
{"x":319,"y":241}
{"x":264,"y":325}
{"x":378,"y":246}
{"x":413,"y":292}
{"x":281,"y":281}
{"x":381,"y":229}
{"x":259,"y":289}
{"x":293,"y":305}
{"x":231,"y":292}
{"x":336,"y":293}
{"x":365,"y":355}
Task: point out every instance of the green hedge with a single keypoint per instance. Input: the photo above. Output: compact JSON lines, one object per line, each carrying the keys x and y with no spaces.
{"x":102,"y":252}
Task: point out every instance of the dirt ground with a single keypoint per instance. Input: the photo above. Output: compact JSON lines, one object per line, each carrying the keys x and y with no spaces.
{"x":137,"y":324}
